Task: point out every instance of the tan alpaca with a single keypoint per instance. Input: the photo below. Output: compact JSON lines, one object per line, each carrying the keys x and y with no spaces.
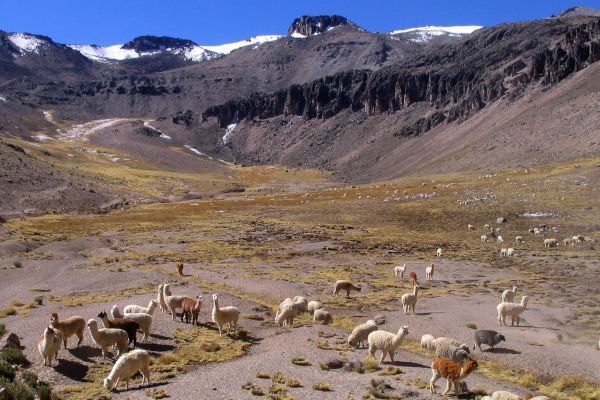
{"x":340,"y":285}
{"x":451,"y":371}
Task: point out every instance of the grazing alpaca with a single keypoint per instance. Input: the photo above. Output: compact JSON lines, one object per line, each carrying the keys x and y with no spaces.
{"x":340,"y":285}
{"x":413,"y":278}
{"x":179,"y":267}
{"x":399,"y":270}
{"x":429,"y":272}
{"x":439,"y":252}
{"x":451,"y":371}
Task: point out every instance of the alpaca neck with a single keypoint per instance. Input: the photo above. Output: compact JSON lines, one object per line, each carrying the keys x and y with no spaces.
{"x":415,"y":290}
{"x":465,"y":371}
{"x":398,"y":339}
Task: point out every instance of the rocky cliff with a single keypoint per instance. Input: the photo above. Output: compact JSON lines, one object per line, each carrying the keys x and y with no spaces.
{"x":313,"y":25}
{"x":456,"y":80}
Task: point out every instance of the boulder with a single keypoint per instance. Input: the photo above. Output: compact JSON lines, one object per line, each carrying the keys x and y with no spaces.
{"x":501,"y":220}
{"x":10,"y":340}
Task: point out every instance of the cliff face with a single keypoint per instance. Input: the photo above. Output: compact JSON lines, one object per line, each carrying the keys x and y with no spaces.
{"x":456,"y":80}
{"x":313,"y":25}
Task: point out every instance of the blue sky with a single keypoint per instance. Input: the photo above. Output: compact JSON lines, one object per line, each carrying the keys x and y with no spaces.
{"x":209,"y":22}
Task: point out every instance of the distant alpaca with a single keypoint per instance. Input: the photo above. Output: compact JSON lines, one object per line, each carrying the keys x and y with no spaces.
{"x":409,"y":300}
{"x":439,"y":252}
{"x":513,"y":309}
{"x":347,"y":286}
{"x":413,"y":278}
{"x":429,"y":272}
{"x":399,"y":270}
{"x":179,"y":267}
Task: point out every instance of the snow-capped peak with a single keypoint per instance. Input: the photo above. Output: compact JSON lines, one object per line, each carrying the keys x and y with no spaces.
{"x":189,"y":50}
{"x":426,"y":33}
{"x":26,"y":43}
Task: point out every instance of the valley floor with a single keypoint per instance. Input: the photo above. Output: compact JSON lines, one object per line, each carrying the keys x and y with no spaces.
{"x":255,"y":249}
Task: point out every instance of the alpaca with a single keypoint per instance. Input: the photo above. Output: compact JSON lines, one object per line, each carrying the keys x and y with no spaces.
{"x":429,"y":272}
{"x":451,"y":371}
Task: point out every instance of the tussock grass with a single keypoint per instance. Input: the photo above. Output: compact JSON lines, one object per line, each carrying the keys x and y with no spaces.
{"x":101,"y":297}
{"x":370,"y":365}
{"x":323,"y":387}
{"x":300,"y":361}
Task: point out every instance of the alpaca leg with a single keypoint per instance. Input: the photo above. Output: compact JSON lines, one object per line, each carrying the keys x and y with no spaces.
{"x":348,"y":293}
{"x":448,"y":387}
{"x":382,"y":357}
{"x":80,"y":336}
{"x":65,"y":341}
{"x":434,"y":377}
{"x":146,"y":375}
{"x":391,"y":353}
{"x":173,"y":313}
{"x":372,"y":351}
{"x":219,"y":325}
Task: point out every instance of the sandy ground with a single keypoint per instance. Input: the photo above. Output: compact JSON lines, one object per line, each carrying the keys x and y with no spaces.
{"x":532,"y":346}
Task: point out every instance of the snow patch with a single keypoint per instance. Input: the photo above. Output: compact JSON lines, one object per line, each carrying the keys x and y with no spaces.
{"x":440,"y":30}
{"x":82,"y":131}
{"x":2,"y":98}
{"x":229,"y":47}
{"x":25,"y":42}
{"x":539,"y":215}
{"x":147,"y":125}
{"x":195,"y":150}
{"x":297,"y":35}
{"x":166,"y":137}
{"x":43,"y":137}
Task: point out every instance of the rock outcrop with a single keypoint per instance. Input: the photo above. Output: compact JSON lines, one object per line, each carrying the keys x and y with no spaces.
{"x":313,"y":25}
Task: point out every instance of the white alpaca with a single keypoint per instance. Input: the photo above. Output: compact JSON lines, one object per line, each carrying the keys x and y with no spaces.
{"x":314,"y":305}
{"x":108,"y":337}
{"x":227,"y":315}
{"x":550,"y":243}
{"x":172,"y":302}
{"x":429,"y":272}
{"x":49,"y":344}
{"x":361,"y":333}
{"x":485,"y":238}
{"x":503,"y":252}
{"x":409,"y":300}
{"x":387,"y":342}
{"x":133,"y":308}
{"x":160,"y":297}
{"x":509,"y":295}
{"x":499,"y":239}
{"x":470,"y":227}
{"x":439,"y":252}
{"x":512,"y":309}
{"x":115,"y":312}
{"x":519,"y":239}
{"x":144,"y":321}
{"x":510,"y":252}
{"x":127,"y":366}
{"x":399,"y":270}
{"x":426,"y":341}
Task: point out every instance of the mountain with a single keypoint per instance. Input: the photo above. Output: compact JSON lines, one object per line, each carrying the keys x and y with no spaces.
{"x":577,"y":11}
{"x":331,"y":95}
{"x":308,"y":25}
{"x":158,"y":76}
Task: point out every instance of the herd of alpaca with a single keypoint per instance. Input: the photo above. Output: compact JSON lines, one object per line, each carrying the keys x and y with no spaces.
{"x":453,"y":361}
{"x":117,"y":333}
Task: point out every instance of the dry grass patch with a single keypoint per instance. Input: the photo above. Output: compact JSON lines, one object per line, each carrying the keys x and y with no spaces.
{"x":370,"y":365}
{"x":157,"y":393}
{"x":300,"y":361}
{"x":323,"y":387}
{"x":101,"y":297}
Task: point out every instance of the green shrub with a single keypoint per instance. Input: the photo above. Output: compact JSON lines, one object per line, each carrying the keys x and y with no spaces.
{"x":13,"y":356}
{"x":29,"y":378}
{"x":7,"y":371}
{"x":39,"y":300}
{"x":44,"y":391}
{"x":17,"y":264}
{"x":19,"y":391}
{"x":2,"y":330}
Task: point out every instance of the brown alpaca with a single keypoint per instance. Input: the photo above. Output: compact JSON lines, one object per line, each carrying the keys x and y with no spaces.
{"x":68,"y":327}
{"x":344,"y":285}
{"x":191,"y":309}
{"x":129,"y":326}
{"x":451,"y":371}
{"x":413,"y":278}
{"x":179,"y":267}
